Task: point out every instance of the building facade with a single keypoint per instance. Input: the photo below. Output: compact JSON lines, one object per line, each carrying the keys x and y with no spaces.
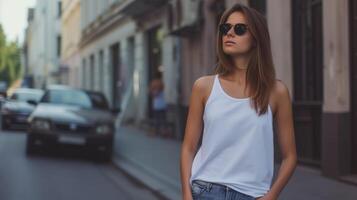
{"x":44,"y":43}
{"x":125,"y":42}
{"x":121,"y":45}
{"x":28,"y":55}
{"x":71,"y":35}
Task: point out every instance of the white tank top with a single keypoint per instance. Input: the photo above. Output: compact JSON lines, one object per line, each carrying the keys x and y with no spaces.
{"x":237,"y":147}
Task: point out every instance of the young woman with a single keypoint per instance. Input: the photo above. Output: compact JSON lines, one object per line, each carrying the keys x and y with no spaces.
{"x":234,"y":111}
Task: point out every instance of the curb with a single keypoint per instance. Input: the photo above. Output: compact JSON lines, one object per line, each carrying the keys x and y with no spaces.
{"x":152,"y":179}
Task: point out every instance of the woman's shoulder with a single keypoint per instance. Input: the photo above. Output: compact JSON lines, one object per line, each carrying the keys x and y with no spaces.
{"x":280,"y":88}
{"x":204,"y":82}
{"x":280,"y":93}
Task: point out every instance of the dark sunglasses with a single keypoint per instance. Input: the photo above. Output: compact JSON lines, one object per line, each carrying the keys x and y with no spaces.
{"x":239,"y":29}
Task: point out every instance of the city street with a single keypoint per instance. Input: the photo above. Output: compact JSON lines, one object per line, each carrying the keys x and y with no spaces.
{"x":58,"y":176}
{"x":118,"y":97}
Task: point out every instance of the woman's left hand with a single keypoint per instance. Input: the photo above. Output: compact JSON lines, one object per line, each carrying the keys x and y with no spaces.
{"x":267,"y":196}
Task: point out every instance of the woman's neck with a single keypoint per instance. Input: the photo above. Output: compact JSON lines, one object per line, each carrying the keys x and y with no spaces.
{"x":241,"y":62}
{"x":238,"y":75}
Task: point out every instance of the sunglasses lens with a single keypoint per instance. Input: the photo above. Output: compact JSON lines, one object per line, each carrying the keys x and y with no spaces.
{"x":224,"y":28}
{"x":240,"y":29}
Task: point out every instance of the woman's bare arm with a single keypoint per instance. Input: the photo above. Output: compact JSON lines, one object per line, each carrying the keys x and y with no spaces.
{"x":286,"y":139}
{"x":192,"y":135}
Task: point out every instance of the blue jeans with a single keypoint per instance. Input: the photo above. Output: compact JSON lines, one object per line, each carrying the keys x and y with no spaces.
{"x":202,"y":190}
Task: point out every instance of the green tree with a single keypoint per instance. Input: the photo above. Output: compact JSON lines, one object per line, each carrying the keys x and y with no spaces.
{"x":2,"y":48}
{"x":10,"y":59}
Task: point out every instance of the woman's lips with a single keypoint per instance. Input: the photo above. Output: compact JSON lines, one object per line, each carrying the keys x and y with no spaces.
{"x":229,"y":42}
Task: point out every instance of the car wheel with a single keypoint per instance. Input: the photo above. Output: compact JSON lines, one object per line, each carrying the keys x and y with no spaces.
{"x":4,"y":125}
{"x":104,"y":155}
{"x":31,"y":147}
{"x":107,"y":156}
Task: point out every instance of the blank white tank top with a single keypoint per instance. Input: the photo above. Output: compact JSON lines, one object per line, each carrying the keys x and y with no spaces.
{"x":237,"y":147}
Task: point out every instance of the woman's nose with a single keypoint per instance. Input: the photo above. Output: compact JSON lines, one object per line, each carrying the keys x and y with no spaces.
{"x":230,"y":32}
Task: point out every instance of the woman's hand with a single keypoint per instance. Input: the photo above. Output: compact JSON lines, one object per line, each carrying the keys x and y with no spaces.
{"x":187,"y":197}
{"x":268,"y":196}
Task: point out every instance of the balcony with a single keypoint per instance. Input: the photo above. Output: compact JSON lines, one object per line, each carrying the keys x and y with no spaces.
{"x":136,"y":8}
{"x":186,"y":17}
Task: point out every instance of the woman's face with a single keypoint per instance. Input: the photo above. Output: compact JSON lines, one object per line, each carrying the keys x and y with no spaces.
{"x":234,"y":44}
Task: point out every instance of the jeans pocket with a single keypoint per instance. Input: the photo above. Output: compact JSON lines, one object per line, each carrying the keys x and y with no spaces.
{"x":197,"y":189}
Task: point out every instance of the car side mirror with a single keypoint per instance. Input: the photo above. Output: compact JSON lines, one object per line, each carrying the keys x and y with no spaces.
{"x":32,"y":102}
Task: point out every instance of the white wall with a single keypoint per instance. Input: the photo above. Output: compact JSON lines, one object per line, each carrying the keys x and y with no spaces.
{"x":43,"y":46}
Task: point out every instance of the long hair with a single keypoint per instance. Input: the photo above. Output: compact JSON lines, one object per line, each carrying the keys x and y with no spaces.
{"x":260,"y":75}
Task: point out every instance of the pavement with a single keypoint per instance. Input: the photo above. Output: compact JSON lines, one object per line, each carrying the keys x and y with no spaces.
{"x":155,"y":162}
{"x":61,"y":174}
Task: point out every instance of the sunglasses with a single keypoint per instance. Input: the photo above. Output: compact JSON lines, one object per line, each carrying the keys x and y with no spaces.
{"x":239,"y":29}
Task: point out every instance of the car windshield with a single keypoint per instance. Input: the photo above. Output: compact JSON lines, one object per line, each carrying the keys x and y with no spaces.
{"x":26,"y":96}
{"x":76,"y":98}
{"x":67,"y":97}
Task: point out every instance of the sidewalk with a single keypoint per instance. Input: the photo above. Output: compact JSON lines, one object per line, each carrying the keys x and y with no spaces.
{"x":155,"y":162}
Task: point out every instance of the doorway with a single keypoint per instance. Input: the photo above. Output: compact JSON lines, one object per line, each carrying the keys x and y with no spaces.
{"x":353,"y":65}
{"x":116,"y":83}
{"x":308,"y":79}
{"x":155,"y":39}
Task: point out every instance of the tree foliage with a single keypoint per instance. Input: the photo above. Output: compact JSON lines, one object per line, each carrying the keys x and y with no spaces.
{"x":10,"y":59}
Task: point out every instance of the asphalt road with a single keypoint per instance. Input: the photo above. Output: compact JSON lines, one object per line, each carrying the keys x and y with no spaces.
{"x":61,"y":175}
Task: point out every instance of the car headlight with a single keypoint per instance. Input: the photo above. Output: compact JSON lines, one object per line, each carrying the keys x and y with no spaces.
{"x":41,"y":124}
{"x":103,"y":129}
{"x":6,"y":110}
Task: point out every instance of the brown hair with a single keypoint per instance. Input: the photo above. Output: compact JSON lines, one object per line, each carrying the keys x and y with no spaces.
{"x":260,"y":73}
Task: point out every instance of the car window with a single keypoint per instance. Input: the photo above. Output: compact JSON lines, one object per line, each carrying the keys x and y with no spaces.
{"x":68,"y":97}
{"x":26,"y":96}
{"x":98,"y":100}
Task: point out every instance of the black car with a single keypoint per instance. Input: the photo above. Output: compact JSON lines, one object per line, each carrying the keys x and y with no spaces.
{"x":16,"y":108}
{"x":3,"y":92}
{"x":71,"y":116}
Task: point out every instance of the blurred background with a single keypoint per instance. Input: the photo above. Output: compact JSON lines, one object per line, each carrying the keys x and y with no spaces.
{"x":143,"y":57}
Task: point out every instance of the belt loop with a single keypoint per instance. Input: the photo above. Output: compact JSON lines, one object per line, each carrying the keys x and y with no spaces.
{"x":209,"y":187}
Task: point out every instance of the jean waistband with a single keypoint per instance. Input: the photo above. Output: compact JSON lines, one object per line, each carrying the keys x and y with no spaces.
{"x":209,"y":185}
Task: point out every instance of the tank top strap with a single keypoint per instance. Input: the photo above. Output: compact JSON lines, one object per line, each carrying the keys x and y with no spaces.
{"x":215,"y":89}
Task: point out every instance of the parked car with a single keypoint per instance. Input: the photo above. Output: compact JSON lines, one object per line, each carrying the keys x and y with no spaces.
{"x":3,"y":92}
{"x":67,"y":116}
{"x":16,"y":108}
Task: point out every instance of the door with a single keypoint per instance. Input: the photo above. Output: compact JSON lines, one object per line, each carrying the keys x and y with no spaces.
{"x":353,"y":56}
{"x":259,"y":5}
{"x":308,"y":78}
{"x":91,"y":73}
{"x":116,"y":83}
{"x":155,"y":37}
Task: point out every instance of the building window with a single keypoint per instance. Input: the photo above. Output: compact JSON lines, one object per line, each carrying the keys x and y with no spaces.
{"x":92,"y":72}
{"x":101,"y":66}
{"x":59,"y":9}
{"x":59,"y":40}
{"x":83,"y":73}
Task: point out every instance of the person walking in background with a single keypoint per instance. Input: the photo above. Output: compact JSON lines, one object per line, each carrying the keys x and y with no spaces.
{"x":234,"y":110}
{"x":158,"y":105}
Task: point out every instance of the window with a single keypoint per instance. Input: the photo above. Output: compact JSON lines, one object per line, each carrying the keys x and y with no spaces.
{"x":83,"y":75}
{"x":91,"y":72}
{"x":101,"y":66}
{"x":68,"y":97}
{"x":59,"y":4}
{"x":59,"y":40}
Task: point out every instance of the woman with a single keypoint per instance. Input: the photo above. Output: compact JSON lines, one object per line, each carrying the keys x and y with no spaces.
{"x":158,"y":105}
{"x":235,"y":110}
